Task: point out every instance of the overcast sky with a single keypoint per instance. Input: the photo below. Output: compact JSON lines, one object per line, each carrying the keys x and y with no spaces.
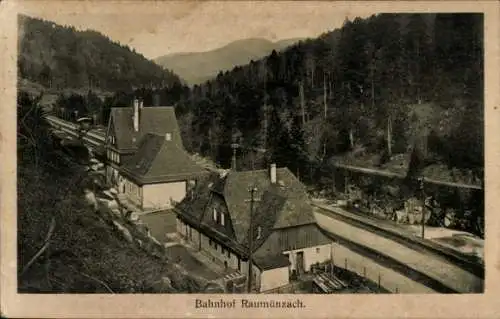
{"x":158,"y":28}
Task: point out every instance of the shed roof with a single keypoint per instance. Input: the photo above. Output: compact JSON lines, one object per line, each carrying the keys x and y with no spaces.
{"x":271,"y":262}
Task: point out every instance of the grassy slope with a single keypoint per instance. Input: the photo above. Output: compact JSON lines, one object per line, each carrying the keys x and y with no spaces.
{"x":86,"y":253}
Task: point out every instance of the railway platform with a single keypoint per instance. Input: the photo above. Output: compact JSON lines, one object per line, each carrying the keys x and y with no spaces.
{"x":459,"y":248}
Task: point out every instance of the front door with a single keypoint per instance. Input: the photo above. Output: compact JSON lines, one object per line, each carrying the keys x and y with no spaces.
{"x":299,"y":262}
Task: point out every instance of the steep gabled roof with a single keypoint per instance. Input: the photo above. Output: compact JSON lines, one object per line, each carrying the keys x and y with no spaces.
{"x":265,"y":217}
{"x":194,"y":204}
{"x":284,"y":203}
{"x":160,"y":160}
{"x":281,"y":205}
{"x":158,"y":120}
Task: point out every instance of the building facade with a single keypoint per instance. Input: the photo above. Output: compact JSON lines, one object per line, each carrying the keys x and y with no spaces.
{"x":282,"y":232}
{"x":146,"y":160}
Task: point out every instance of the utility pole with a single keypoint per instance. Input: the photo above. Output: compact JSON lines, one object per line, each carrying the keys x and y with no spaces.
{"x":252,"y":191}
{"x":234,"y":146}
{"x":421,"y":188}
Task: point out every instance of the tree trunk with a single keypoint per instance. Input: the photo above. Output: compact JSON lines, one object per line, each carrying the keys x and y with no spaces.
{"x":351,"y":138}
{"x":372,"y":89}
{"x":265,"y":125}
{"x":312,"y":76}
{"x":324,"y":95}
{"x":419,"y":99}
{"x":389,"y":136}
{"x":302,"y":103}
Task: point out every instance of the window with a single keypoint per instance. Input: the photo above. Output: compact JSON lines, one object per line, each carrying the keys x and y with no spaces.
{"x":259,"y":232}
{"x":317,"y":250}
{"x":223,"y":250}
{"x":228,"y":253}
{"x":216,"y":246}
{"x":168,"y":136}
{"x":214,"y":210}
{"x":210,"y":242}
{"x":222,"y":219}
{"x":239,"y":264}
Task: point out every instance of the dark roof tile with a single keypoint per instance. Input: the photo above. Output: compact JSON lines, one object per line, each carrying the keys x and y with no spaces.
{"x":158,"y":160}
{"x":280,"y":205}
{"x":237,"y":195}
{"x":159,"y":120}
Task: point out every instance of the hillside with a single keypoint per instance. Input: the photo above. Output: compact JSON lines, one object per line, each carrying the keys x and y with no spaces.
{"x":389,"y":86}
{"x":197,"y":67}
{"x":59,"y":57}
{"x":66,"y":246}
{"x":377,"y":87}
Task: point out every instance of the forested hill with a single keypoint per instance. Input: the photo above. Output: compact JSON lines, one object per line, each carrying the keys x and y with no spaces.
{"x":373,"y":89}
{"x":198,"y":67}
{"x":60,"y":57}
{"x":375,"y":92}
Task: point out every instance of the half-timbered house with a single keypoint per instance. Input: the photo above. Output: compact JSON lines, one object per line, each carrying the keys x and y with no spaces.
{"x":282,"y":230}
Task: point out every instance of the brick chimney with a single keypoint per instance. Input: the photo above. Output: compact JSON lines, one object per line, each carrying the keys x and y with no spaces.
{"x":272,"y":173}
{"x":136,"y":115}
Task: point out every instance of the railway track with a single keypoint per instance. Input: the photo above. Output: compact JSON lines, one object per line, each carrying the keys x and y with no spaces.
{"x":386,"y":173}
{"x":418,"y":244}
{"x":391,"y":263}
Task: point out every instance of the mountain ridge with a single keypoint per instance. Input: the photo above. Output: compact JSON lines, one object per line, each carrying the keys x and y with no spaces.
{"x":198,"y":67}
{"x":60,"y":57}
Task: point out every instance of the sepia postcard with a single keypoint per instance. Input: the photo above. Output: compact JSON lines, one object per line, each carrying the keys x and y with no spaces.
{"x":249,"y":159}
